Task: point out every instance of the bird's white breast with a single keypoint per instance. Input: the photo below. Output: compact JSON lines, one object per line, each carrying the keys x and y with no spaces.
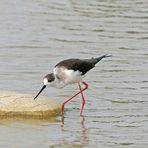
{"x":66,"y":76}
{"x":73,"y":76}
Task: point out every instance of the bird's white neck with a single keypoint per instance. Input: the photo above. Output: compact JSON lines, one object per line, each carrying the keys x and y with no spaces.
{"x":57,"y":83}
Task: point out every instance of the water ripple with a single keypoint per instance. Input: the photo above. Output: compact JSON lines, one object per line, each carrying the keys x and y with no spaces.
{"x":35,"y":35}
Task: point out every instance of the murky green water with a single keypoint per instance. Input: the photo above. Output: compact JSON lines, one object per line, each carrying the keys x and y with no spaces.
{"x":35,"y":35}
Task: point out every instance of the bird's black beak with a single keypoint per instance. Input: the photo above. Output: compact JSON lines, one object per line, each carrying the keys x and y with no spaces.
{"x":44,"y":86}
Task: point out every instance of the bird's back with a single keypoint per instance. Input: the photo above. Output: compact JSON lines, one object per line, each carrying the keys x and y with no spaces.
{"x":77,"y":65}
{"x":82,"y":65}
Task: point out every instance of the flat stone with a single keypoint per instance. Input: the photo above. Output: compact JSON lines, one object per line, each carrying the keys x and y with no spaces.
{"x":13,"y":104}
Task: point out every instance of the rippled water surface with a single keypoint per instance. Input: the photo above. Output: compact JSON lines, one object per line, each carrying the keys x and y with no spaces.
{"x":36,"y":34}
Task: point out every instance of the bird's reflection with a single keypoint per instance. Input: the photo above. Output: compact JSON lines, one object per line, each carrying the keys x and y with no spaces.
{"x":82,"y":121}
{"x":62,"y":121}
{"x":84,"y":131}
{"x":82,"y":118}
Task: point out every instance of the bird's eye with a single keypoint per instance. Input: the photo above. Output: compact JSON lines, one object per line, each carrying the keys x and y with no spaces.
{"x":49,"y":80}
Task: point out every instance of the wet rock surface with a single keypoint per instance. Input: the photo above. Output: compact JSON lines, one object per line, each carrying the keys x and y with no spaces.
{"x":13,"y":104}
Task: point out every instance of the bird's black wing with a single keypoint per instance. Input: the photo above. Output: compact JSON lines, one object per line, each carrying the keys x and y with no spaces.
{"x":76,"y":64}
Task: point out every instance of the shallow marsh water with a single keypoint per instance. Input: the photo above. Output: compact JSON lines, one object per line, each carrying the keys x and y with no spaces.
{"x":35,"y":35}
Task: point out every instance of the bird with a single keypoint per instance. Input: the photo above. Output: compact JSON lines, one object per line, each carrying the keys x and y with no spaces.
{"x":70,"y":71}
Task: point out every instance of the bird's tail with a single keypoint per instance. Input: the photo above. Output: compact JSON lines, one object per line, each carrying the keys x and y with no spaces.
{"x":96,"y":60}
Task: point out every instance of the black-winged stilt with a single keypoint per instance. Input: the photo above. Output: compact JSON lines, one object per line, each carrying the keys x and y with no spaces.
{"x":68,"y":72}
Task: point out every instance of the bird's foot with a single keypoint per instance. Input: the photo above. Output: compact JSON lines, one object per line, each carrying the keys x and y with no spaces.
{"x":62,"y":110}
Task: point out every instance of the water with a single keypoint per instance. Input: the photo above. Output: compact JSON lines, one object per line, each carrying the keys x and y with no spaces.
{"x":35,"y":35}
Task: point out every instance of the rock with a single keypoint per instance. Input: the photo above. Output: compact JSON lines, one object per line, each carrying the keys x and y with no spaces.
{"x":13,"y":104}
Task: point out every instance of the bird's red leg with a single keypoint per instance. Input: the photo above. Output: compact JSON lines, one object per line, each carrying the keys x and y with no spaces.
{"x":83,"y":100}
{"x":86,"y":86}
